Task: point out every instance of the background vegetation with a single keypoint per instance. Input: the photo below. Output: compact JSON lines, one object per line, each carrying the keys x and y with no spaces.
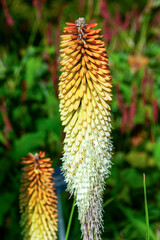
{"x":29,"y":116}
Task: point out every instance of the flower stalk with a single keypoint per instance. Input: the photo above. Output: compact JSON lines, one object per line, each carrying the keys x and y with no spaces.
{"x":38,"y":204}
{"x":85,"y":94}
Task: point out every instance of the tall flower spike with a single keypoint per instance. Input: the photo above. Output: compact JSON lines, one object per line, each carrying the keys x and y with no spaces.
{"x":85,"y":93}
{"x":38,"y":204}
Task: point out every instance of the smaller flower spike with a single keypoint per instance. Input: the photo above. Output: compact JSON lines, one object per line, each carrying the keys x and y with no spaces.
{"x":38,"y":204}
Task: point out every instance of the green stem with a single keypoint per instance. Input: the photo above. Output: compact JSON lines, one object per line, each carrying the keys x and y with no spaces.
{"x":70,"y":219}
{"x":146,"y":208}
{"x":97,"y":8}
{"x":89,"y":10}
{"x":34,"y":32}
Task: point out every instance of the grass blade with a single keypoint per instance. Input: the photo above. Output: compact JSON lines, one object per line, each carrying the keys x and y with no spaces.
{"x":70,"y":219}
{"x":146,"y":208}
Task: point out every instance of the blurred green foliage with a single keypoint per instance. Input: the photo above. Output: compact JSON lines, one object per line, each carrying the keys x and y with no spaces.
{"x":29,"y":115}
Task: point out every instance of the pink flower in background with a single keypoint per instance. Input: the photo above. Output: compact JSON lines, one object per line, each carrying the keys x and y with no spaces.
{"x":107,"y":32}
{"x":132,"y":109}
{"x":136,"y":16}
{"x":156,"y":20}
{"x":123,"y":108}
{"x":104,"y":10}
{"x":147,"y":98}
{"x":49,"y":35}
{"x":7,"y":15}
{"x":119,"y":97}
{"x":35,"y":3}
{"x":39,"y":5}
{"x":6,"y":120}
{"x":117,"y":21}
{"x":127,"y":20}
{"x":156,"y":24}
{"x":155,"y":111}
{"x":7,"y":123}
{"x":151,"y":84}
{"x":113,"y":24}
{"x":128,"y":112}
{"x":143,"y":86}
{"x":124,"y":118}
{"x":106,"y":15}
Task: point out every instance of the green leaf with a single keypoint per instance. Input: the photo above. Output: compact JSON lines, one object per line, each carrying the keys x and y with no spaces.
{"x":2,"y":139}
{"x":136,"y":220}
{"x":6,"y":200}
{"x":2,"y":69}
{"x":140,"y":159}
{"x":53,"y":124}
{"x":130,"y":175}
{"x":156,"y":152}
{"x":32,"y":65}
{"x":27,"y":143}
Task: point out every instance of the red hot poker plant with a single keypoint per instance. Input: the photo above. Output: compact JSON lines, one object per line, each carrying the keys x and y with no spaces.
{"x":38,"y":204}
{"x":85,"y":94}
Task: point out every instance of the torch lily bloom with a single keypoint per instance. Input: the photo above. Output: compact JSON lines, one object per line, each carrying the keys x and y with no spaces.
{"x":85,"y":94}
{"x":38,"y":204}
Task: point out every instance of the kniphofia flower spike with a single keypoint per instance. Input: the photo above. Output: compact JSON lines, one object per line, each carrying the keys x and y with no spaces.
{"x":38,"y":204}
{"x":85,"y":94}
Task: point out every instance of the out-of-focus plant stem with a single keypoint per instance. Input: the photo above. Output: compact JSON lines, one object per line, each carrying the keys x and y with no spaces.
{"x":108,"y":201}
{"x":143,"y":33}
{"x":89,"y":10}
{"x":145,"y":25}
{"x":34,"y":31}
{"x":97,"y":8}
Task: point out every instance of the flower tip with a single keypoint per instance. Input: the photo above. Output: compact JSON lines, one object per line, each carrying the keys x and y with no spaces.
{"x":70,"y":24}
{"x":92,"y":25}
{"x":41,"y":154}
